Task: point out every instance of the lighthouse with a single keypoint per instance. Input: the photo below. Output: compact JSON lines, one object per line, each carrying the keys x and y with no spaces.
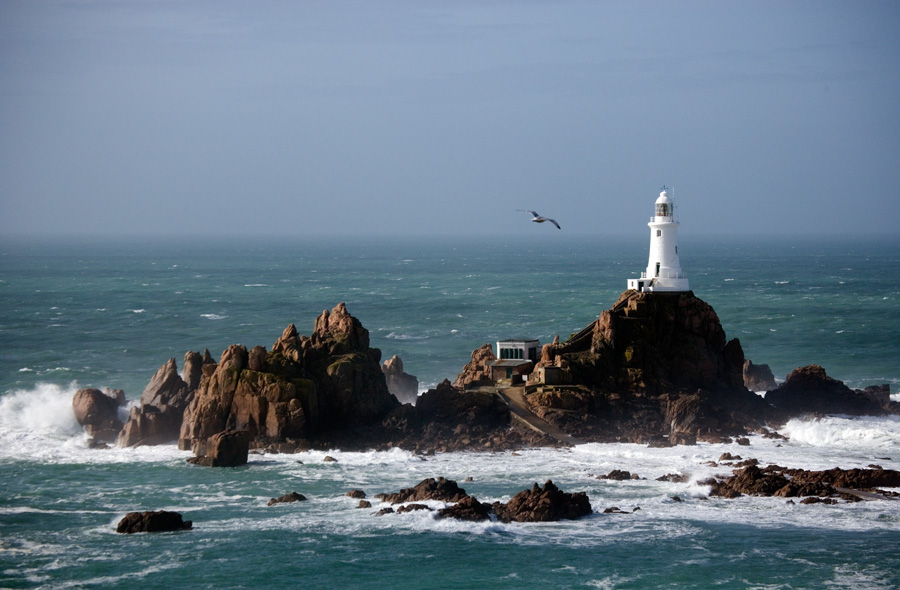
{"x":663,"y":267}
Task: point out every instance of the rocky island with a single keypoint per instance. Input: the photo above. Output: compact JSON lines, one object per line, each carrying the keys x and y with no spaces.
{"x":656,"y":369}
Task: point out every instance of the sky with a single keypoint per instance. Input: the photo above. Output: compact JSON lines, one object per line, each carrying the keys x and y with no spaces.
{"x":407,"y":118}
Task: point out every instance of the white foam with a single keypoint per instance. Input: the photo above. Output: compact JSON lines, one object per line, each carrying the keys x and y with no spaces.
{"x":213,"y":316}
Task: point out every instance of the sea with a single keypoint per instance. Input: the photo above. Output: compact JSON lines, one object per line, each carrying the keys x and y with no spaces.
{"x":107,"y":312}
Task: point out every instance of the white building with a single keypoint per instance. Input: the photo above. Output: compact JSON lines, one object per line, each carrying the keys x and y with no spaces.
{"x":663,"y":268}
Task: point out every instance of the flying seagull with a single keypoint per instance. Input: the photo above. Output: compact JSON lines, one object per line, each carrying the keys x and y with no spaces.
{"x":540,"y":219}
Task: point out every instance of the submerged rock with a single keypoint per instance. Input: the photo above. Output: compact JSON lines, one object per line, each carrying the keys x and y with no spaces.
{"x":287,"y":499}
{"x":152,"y":522}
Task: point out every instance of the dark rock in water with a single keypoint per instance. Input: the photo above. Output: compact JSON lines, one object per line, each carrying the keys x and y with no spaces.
{"x":287,"y":498}
{"x":412,"y":508}
{"x":98,"y":412}
{"x":402,"y":385}
{"x":619,"y":475}
{"x":364,"y":504}
{"x":443,"y":490}
{"x":789,"y":483}
{"x":468,"y":509}
{"x":152,"y":522}
{"x":229,"y":448}
{"x":758,"y":377}
{"x":305,"y":387}
{"x":809,"y":390}
{"x":356,"y":494}
{"x":157,"y":418}
{"x":543,"y":504}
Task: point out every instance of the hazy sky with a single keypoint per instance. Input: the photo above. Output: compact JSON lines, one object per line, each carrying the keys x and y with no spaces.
{"x":423,"y":117}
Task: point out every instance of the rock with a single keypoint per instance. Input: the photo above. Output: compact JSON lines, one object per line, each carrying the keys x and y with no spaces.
{"x":656,"y":369}
{"x":383,"y":511}
{"x":809,"y":390}
{"x":788,"y":483}
{"x":157,"y":418}
{"x":287,"y":498}
{"x":448,"y":405}
{"x":543,"y":504}
{"x":441,"y":489}
{"x":619,"y":475}
{"x":478,"y":368}
{"x":758,"y":377}
{"x":364,"y":504}
{"x":403,"y":386}
{"x":98,"y":412}
{"x":468,"y":509}
{"x":357,"y":494}
{"x":304,"y":388}
{"x":412,"y":508}
{"x":152,"y":522}
{"x":329,"y":459}
{"x":229,"y":448}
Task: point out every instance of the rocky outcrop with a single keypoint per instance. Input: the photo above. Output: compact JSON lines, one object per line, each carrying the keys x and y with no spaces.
{"x":849,"y":484}
{"x":287,"y":499}
{"x":809,"y":390}
{"x":152,"y":522}
{"x":543,"y":504}
{"x":229,"y":448}
{"x":98,"y":412}
{"x":402,"y":385}
{"x":304,"y":388}
{"x":758,"y":377}
{"x":440,"y":489}
{"x":157,"y":417}
{"x":656,"y":368}
{"x":478,"y":368}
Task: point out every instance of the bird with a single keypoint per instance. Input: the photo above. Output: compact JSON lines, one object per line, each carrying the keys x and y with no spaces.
{"x":539,"y":218}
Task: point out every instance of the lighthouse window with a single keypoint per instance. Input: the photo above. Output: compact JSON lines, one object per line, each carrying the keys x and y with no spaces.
{"x":658,"y":233}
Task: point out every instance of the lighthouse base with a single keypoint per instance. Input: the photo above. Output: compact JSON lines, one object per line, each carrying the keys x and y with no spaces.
{"x":645,"y":285}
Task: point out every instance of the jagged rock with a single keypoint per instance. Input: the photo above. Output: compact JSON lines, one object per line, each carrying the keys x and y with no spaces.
{"x":441,"y":489}
{"x":306,"y":386}
{"x":758,"y":377}
{"x":656,"y":368}
{"x":468,"y":509}
{"x":356,"y":494}
{"x":229,"y":448}
{"x":157,"y":418}
{"x":152,"y":522}
{"x":412,"y":508}
{"x":403,"y":386}
{"x":809,"y":390}
{"x":478,"y":368}
{"x":98,"y":412}
{"x":543,"y":505}
{"x":287,"y":498}
{"x":364,"y":504}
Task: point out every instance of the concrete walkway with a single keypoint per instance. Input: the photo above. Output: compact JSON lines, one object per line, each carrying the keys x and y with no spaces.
{"x":515,"y":399}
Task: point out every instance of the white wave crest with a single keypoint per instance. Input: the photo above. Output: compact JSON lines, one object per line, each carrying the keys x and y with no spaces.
{"x":45,"y":410}
{"x":213,"y":316}
{"x":846,"y":433}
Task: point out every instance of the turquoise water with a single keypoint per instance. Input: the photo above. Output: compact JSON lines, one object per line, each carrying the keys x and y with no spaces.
{"x":101,"y":313}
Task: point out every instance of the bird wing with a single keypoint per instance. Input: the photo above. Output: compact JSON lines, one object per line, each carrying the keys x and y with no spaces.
{"x":553,"y":221}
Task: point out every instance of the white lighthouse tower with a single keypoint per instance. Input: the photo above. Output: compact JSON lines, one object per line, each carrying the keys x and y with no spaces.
{"x":663,"y":268}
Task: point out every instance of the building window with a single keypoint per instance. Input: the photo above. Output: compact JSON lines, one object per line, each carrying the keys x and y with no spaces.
{"x":658,"y":233}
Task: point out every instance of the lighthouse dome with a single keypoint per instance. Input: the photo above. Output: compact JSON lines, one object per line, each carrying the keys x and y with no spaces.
{"x":664,"y":205}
